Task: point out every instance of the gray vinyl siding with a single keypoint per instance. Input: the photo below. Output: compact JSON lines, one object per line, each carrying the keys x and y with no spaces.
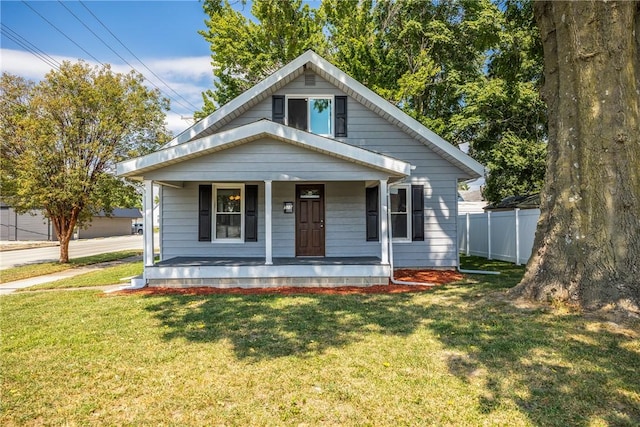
{"x":297,"y":87}
{"x":344,"y":200}
{"x":344,"y":219}
{"x":179,"y":227}
{"x":283,"y":225}
{"x":265,"y":159}
{"x":439,"y":247}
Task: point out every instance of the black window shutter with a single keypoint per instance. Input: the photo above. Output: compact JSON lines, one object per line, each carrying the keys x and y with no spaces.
{"x":251,"y":213}
{"x":373,"y":209}
{"x":341,"y":116}
{"x":204,"y":213}
{"x":417,"y":212}
{"x":277,"y":109}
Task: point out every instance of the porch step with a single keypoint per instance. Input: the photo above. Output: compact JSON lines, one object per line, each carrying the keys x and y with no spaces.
{"x":270,"y":282}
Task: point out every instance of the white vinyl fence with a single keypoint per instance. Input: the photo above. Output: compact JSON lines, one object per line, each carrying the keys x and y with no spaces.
{"x":503,"y":235}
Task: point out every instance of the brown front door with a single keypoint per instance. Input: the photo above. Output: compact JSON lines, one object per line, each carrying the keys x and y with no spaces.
{"x":310,"y":220}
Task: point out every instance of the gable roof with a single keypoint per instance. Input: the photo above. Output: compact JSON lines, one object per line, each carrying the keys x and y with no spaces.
{"x":234,"y":108}
{"x":137,"y":167}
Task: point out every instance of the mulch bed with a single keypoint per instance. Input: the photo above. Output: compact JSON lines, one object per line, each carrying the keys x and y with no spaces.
{"x":428,"y":277}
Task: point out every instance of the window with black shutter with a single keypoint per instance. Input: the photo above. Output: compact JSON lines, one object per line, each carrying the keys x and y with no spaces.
{"x":341,"y":116}
{"x":324,"y":115}
{"x":373,"y":214}
{"x":251,"y":213}
{"x":204,"y":213}
{"x":277,"y":109}
{"x":417,"y":212}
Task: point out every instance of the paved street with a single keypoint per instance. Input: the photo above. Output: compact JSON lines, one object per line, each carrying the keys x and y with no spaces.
{"x":77,"y":248}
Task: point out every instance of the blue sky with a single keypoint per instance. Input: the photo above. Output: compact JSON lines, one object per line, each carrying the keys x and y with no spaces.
{"x":162,"y":34}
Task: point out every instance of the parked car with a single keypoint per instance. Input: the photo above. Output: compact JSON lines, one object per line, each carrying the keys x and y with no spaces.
{"x":136,"y":228}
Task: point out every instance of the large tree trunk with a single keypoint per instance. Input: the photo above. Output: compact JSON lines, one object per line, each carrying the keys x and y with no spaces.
{"x":587,"y":245}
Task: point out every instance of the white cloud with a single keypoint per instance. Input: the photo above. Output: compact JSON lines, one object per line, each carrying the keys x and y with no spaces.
{"x":27,"y":65}
{"x":191,"y":67}
{"x":188,"y":76}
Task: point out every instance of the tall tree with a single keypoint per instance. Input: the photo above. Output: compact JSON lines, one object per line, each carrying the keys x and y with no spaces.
{"x":587,"y":245}
{"x":245,"y":51}
{"x":62,"y":137}
{"x":417,"y":54}
{"x":504,"y":117}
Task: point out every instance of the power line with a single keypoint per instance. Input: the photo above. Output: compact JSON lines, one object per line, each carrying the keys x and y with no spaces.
{"x":63,"y":33}
{"x":135,"y":56}
{"x":123,"y":59}
{"x":30,"y":47}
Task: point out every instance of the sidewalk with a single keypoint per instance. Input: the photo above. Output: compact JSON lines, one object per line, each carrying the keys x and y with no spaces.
{"x":10,"y":287}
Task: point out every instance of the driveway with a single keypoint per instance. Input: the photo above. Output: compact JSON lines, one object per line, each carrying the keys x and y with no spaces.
{"x":77,"y":248}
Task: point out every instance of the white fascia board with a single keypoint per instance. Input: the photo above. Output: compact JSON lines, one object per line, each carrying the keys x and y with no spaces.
{"x":252,"y":131}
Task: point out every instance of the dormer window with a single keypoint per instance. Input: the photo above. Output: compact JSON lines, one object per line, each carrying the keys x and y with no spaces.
{"x":311,"y":114}
{"x":321,"y":115}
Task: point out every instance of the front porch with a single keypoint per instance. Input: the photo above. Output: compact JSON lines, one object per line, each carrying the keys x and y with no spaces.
{"x":254,"y":272}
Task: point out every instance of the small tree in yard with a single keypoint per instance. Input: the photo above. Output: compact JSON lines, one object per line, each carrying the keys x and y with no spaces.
{"x":587,"y":246}
{"x":62,"y":137}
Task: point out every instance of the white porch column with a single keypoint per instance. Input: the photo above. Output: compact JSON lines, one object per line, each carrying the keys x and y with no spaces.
{"x":147,"y":205}
{"x":384,"y":222}
{"x":268,"y":211}
{"x":159,"y":207}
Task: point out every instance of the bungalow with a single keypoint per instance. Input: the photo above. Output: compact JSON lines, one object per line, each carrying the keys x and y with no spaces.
{"x":308,"y":178}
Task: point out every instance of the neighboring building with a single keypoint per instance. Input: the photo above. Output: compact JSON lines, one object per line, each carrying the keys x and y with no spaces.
{"x":301,"y":180}
{"x":119,"y":223}
{"x":16,"y":227}
{"x":526,"y":201}
{"x":470,"y":201}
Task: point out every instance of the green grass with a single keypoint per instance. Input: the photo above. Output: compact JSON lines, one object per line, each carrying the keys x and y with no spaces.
{"x":458,"y":355}
{"x":105,"y":276}
{"x":33,"y":270}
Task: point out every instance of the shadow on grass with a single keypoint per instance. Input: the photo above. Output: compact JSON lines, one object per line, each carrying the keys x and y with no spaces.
{"x":558,"y":368}
{"x":268,"y":326}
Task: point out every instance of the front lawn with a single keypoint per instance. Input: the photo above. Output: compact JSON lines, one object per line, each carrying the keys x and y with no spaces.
{"x":458,"y":355}
{"x":40,"y":269}
{"x":112,"y":275}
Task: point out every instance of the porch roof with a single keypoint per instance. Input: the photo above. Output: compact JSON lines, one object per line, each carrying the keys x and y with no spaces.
{"x":137,"y":167}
